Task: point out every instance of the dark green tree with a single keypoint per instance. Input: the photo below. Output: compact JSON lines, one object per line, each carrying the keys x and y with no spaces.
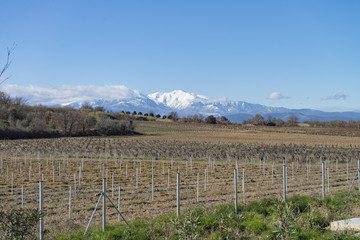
{"x":210,"y":119}
{"x":173,"y":116}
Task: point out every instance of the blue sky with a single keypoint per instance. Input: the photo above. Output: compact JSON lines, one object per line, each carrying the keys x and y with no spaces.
{"x":295,"y":54}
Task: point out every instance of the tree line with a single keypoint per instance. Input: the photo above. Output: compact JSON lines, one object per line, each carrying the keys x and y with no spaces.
{"x":259,"y":120}
{"x":334,"y":124}
{"x":18,"y":120}
{"x":174,"y":116}
{"x":292,"y":120}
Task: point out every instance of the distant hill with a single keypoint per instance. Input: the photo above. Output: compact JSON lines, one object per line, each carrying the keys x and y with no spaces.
{"x":184,"y":103}
{"x":302,"y":115}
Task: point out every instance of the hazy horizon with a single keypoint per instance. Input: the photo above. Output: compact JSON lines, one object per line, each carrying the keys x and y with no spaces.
{"x":301,"y":54}
{"x":66,"y":94}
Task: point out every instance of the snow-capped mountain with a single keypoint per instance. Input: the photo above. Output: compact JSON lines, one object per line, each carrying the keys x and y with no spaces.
{"x":178,"y":99}
{"x":120,"y":98}
{"x":189,"y":103}
{"x":185,"y":103}
{"x":138,"y":104}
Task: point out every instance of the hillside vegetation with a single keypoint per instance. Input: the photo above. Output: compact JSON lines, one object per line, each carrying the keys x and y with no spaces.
{"x":18,"y":120}
{"x":299,"y":217}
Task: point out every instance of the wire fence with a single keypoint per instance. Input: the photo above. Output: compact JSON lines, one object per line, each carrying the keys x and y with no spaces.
{"x":72,"y":185}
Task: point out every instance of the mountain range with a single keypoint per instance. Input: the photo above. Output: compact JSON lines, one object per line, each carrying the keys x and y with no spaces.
{"x":185,"y":103}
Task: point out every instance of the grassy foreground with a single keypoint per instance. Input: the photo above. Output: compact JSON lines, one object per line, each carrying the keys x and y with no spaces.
{"x":299,"y":217}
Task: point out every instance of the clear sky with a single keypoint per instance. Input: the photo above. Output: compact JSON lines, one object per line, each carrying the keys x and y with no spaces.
{"x":295,"y":54}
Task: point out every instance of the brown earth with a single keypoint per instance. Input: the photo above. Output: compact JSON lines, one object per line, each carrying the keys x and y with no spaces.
{"x":191,"y":148}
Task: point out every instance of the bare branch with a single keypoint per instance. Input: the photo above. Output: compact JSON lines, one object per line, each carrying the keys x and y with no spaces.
{"x":8,"y":63}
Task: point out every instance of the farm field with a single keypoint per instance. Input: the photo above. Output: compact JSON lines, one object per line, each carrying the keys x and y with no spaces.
{"x":250,"y":134}
{"x":194,"y":150}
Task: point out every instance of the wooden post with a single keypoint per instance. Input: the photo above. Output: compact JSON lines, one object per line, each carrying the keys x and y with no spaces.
{"x":22,"y":196}
{"x":197,"y":188}
{"x":119,"y":205}
{"x":104,"y":206}
{"x":284,"y":182}
{"x":75,"y":184}
{"x":112,"y":185}
{"x":168,"y":178}
{"x":70,"y":202}
{"x":152,"y":182}
{"x":205,"y":181}
{"x":243,"y":184}
{"x":323,"y":179}
{"x":41,"y":208}
{"x":137,"y":184}
{"x":358,"y":173}
{"x":347,"y":170}
{"x":235,"y":188}
{"x":328,"y":179}
{"x":178,"y":194}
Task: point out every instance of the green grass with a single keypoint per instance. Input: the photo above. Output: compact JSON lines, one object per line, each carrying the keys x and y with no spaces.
{"x":299,"y":217}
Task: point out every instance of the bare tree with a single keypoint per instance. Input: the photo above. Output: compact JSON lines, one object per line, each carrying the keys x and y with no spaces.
{"x":292,"y":120}
{"x":278,"y":122}
{"x":224,"y":119}
{"x":258,"y":120}
{"x":7,"y":64}
{"x":173,"y":116}
{"x":87,"y":105}
{"x":67,"y":119}
{"x":5,"y":99}
{"x":86,"y":121}
{"x":194,"y":118}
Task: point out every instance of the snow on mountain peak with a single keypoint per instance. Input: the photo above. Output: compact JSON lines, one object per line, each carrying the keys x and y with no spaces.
{"x":118,"y":98}
{"x":177,"y":99}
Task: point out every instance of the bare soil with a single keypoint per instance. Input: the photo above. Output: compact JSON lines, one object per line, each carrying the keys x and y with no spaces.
{"x":190,"y":149}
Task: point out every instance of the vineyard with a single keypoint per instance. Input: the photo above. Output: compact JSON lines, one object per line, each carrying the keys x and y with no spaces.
{"x":142,"y":171}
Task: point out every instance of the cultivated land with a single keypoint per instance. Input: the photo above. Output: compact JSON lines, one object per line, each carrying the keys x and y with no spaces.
{"x":212,"y":151}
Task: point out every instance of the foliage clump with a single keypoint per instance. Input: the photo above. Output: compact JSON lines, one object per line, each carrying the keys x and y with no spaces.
{"x":18,"y":224}
{"x":18,"y":120}
{"x":299,"y":217}
{"x":110,"y":127}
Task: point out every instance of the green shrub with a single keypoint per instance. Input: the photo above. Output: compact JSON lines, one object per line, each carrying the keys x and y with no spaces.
{"x":300,"y":203}
{"x":216,"y":235}
{"x":187,"y":226}
{"x":4,"y":123}
{"x":19,"y":224}
{"x":210,"y":119}
{"x":302,"y":233}
{"x":315,"y":220}
{"x":287,"y":216}
{"x":254,"y":223}
{"x":264,"y":206}
{"x":297,"y":218}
